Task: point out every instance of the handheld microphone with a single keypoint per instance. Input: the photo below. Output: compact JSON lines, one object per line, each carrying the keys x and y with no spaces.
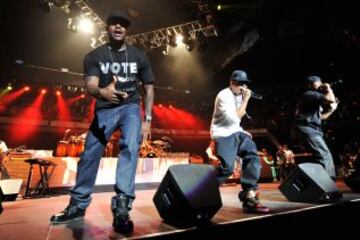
{"x":256,"y":95}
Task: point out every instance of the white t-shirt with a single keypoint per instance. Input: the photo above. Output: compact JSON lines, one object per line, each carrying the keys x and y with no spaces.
{"x":225,"y":121}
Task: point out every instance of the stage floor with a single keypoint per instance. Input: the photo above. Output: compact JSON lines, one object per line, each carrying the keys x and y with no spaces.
{"x":29,"y":218}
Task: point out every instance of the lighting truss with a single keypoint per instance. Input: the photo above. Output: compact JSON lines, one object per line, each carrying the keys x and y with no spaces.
{"x":152,"y":39}
{"x":161,"y":37}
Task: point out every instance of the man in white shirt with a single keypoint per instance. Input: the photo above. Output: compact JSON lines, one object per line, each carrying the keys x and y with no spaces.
{"x":232,"y":141}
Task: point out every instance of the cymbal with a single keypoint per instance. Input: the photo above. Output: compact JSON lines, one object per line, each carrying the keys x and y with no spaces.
{"x":159,"y":142}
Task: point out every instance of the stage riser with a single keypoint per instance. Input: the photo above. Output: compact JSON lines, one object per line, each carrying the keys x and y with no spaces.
{"x":148,"y":170}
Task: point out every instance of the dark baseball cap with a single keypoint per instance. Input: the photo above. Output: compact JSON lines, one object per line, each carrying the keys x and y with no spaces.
{"x":117,"y":15}
{"x":240,"y":76}
{"x":312,"y":79}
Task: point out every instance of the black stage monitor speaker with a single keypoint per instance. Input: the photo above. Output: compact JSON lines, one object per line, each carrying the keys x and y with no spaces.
{"x":188,"y":194}
{"x":309,"y":182}
{"x":9,"y":189}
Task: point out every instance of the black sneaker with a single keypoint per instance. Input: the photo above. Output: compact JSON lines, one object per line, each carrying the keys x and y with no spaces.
{"x":71,"y":212}
{"x":251,"y":202}
{"x":119,"y":207}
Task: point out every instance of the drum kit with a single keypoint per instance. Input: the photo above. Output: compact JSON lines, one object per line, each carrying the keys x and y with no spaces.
{"x":72,"y":146}
{"x":156,"y":148}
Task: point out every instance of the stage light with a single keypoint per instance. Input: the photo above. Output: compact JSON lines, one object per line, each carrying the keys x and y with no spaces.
{"x":179,"y":39}
{"x":9,"y":87}
{"x":172,"y":37}
{"x":82,"y":96}
{"x":26,"y":88}
{"x":160,"y":105}
{"x":219,"y":7}
{"x":85,"y":25}
{"x":43,"y":91}
{"x":166,"y":50}
{"x":58,"y":93}
{"x":190,"y":46}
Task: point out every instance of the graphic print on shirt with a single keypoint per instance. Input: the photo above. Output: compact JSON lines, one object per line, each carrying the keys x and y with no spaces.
{"x":118,"y":69}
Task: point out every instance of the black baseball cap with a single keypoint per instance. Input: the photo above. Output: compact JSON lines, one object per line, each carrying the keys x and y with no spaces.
{"x":240,"y":76}
{"x":117,"y":15}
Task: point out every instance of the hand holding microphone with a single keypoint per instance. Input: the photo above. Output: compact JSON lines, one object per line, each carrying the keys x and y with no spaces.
{"x":256,"y":95}
{"x":251,"y":94}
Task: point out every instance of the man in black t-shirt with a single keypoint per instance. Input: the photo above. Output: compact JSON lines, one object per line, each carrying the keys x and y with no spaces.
{"x":112,"y":73}
{"x":315,"y":105}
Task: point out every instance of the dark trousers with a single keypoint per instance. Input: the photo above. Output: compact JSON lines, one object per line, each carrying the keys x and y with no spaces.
{"x":315,"y":144}
{"x":239,"y":144}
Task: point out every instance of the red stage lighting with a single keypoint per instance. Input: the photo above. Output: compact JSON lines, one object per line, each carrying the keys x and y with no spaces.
{"x":26,"y":88}
{"x":43,"y":91}
{"x":58,"y":93}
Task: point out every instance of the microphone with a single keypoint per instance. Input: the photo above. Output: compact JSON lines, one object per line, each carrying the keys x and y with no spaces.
{"x":256,"y":95}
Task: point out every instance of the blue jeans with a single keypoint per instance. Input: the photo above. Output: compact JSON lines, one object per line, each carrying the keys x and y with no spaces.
{"x":127,"y":118}
{"x":315,"y":143}
{"x":239,"y":144}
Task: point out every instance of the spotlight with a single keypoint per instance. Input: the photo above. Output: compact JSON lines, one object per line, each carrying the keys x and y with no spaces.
{"x":166,"y":50}
{"x":172,"y":38}
{"x":26,"y":88}
{"x":85,"y":25}
{"x":82,"y":96}
{"x":179,"y":39}
{"x":190,"y":47}
{"x":43,"y":91}
{"x":160,"y":105}
{"x":188,"y":41}
{"x":9,"y":87}
{"x":172,"y":42}
{"x":219,"y":7}
{"x":58,"y":93}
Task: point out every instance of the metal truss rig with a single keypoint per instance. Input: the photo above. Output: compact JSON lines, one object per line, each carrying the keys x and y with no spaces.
{"x":152,"y":39}
{"x":161,"y":37}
